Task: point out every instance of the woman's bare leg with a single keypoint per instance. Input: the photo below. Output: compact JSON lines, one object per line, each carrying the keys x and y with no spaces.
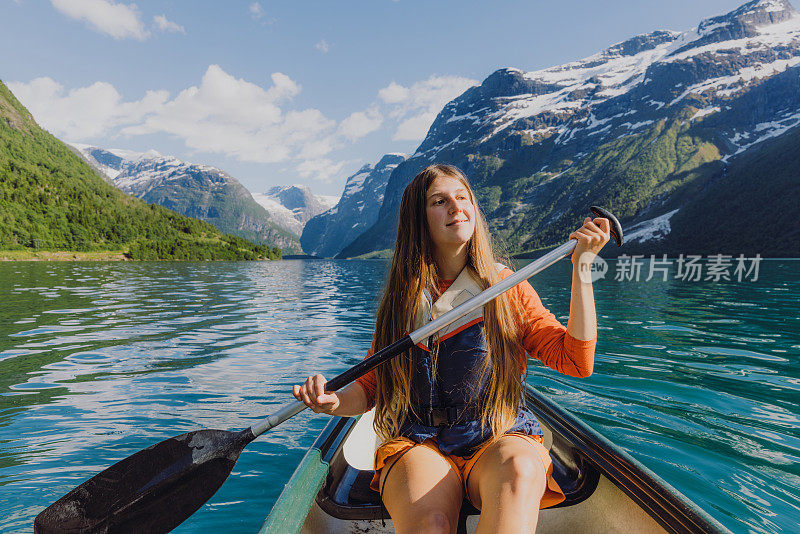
{"x":507,"y":484}
{"x":422,"y":493}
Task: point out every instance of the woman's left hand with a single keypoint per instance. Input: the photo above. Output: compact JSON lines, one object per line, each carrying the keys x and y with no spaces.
{"x":592,"y":236}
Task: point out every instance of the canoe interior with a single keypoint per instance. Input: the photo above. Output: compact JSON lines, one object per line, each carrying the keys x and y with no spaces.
{"x":606,"y":489}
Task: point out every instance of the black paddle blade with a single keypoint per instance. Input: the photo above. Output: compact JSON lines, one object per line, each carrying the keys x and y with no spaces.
{"x":154,"y":490}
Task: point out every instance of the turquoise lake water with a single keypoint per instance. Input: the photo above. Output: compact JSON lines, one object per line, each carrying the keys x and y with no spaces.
{"x":697,"y":380}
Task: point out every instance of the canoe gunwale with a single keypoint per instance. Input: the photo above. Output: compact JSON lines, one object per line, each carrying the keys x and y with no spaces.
{"x":333,"y":435}
{"x":337,"y":467}
{"x":315,"y":466}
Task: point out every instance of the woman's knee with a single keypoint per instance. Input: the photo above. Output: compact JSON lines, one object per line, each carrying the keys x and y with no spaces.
{"x":423,"y":492}
{"x":522,"y":473}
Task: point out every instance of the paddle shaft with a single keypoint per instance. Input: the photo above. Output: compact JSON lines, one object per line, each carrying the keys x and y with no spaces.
{"x":409,"y":340}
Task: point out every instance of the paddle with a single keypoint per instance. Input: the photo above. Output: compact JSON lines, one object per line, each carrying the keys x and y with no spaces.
{"x":158,"y":488}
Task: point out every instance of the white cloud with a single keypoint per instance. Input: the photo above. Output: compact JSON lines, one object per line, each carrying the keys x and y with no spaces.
{"x":256,"y":11}
{"x":322,"y":46}
{"x":416,"y":107}
{"x":165,"y":25}
{"x":317,"y":149}
{"x":394,"y":93}
{"x":238,"y":118}
{"x":117,"y":20}
{"x":358,"y":124}
{"x":283,"y":87}
{"x":85,"y":112}
{"x":323,"y":170}
{"x":222,"y":114}
{"x":415,"y":128}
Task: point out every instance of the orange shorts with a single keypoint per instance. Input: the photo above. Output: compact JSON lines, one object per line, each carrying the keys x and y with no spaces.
{"x":392,"y":450}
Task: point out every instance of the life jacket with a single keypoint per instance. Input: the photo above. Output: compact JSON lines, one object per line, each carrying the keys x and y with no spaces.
{"x":448,"y":404}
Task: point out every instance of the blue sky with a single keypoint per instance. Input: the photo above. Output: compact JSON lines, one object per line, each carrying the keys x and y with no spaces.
{"x":289,"y":92}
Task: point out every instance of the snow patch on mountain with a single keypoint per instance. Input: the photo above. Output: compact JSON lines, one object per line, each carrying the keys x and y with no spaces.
{"x":356,"y":182}
{"x":700,"y":113}
{"x":726,"y":86}
{"x":762,"y":131}
{"x":137,"y":172}
{"x":651,"y":229}
{"x":283,"y":216}
{"x":328,"y":200}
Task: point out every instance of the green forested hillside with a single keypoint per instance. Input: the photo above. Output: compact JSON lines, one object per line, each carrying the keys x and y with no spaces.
{"x":50,"y":199}
{"x":226,"y":205}
{"x":624,"y":175}
{"x":748,"y":205}
{"x":745,"y":205}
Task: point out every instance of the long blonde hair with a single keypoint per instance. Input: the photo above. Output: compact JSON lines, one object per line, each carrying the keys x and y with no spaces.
{"x":413,"y":269}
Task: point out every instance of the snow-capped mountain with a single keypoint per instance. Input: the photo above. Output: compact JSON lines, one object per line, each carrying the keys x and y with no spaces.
{"x":629,"y":85}
{"x":357,"y":209}
{"x":199,"y":191}
{"x":291,"y":206}
{"x":631,"y":127}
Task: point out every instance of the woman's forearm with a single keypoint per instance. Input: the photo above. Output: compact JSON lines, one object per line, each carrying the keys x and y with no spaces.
{"x":582,"y":322}
{"x":352,"y":401}
{"x":591,"y":237}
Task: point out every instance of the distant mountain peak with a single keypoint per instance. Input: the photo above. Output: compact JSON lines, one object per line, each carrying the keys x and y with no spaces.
{"x":357,"y":209}
{"x":640,"y":43}
{"x":731,"y":52}
{"x":756,"y":13}
{"x":293,"y":196}
{"x":137,"y":172}
{"x":391,"y":159}
{"x":291,"y":206}
{"x":192,"y":189}
{"x":748,"y":20}
{"x":122,"y":154}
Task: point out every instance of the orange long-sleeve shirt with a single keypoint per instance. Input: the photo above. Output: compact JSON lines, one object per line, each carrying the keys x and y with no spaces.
{"x":544,"y":338}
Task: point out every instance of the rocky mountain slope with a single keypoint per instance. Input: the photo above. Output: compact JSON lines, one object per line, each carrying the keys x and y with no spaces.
{"x":357,"y":210}
{"x":291,"y":206}
{"x":199,"y":191}
{"x":635,"y":127}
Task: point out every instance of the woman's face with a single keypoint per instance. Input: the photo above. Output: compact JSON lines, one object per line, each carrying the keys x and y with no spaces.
{"x":451,"y":214}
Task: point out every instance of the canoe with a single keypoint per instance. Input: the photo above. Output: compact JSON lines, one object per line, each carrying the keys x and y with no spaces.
{"x":606,"y":489}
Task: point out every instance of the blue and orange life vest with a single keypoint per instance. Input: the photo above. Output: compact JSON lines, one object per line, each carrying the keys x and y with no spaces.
{"x":447,"y":404}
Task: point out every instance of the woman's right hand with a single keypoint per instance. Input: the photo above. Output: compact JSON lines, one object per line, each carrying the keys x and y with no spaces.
{"x":312,"y":393}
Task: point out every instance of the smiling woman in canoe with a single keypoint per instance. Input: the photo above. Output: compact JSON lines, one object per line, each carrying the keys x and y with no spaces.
{"x":450,"y":411}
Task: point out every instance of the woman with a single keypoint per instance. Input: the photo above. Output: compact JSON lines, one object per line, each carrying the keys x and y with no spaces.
{"x":451,"y":411}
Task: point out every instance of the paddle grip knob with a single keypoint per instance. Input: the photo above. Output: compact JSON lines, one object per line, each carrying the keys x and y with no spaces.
{"x":616,"y":227}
